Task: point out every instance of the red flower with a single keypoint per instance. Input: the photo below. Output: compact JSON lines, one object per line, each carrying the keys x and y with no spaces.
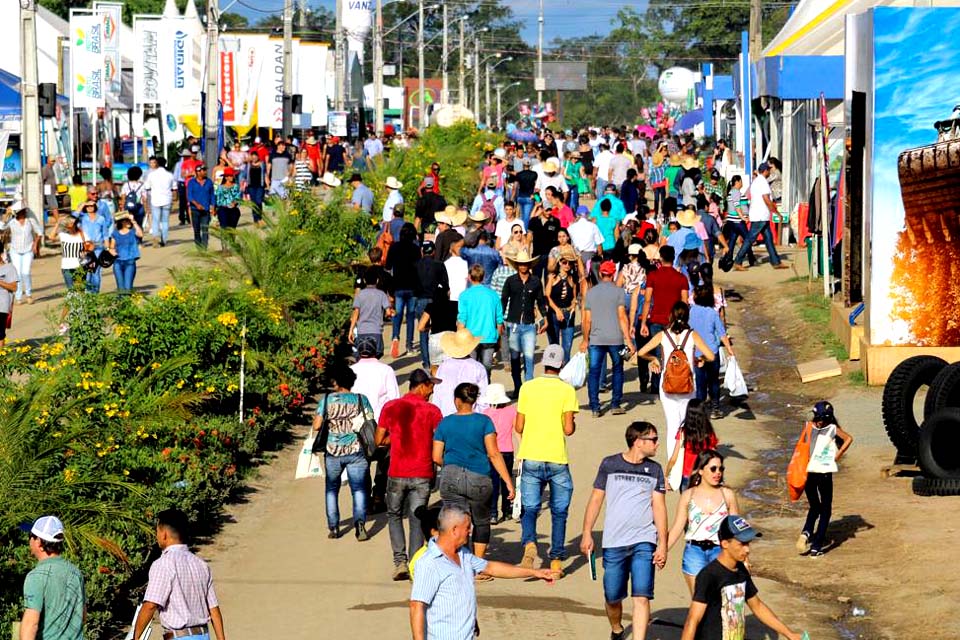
{"x":166,"y":452}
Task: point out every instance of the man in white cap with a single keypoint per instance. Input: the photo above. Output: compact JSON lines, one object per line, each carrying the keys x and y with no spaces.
{"x":394,"y":197}
{"x":53,"y":591}
{"x":489,"y":202}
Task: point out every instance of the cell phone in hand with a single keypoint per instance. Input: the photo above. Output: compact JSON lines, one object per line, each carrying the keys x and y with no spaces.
{"x":593,"y":565}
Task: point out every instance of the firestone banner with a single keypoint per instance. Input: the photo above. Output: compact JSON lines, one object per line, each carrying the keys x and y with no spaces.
{"x":146,"y":67}
{"x":228,"y":86}
{"x":86,"y":61}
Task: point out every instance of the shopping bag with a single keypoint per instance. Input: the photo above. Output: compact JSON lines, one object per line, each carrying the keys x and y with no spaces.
{"x":733,"y":379}
{"x":309,"y":464}
{"x":722,"y":354}
{"x":574,"y":372}
{"x":797,"y":468}
{"x":517,"y":505}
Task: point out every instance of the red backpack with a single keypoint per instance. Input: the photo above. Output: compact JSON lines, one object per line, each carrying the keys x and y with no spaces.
{"x":677,"y":374}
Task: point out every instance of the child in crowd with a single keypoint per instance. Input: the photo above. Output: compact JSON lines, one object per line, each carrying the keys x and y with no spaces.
{"x":828,"y":443}
{"x":503,"y":414}
{"x":695,"y":435}
{"x":430,"y":528}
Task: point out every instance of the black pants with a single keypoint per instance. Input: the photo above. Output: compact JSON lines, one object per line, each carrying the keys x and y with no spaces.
{"x":182,"y":202}
{"x":378,"y":490}
{"x":819,"y":492}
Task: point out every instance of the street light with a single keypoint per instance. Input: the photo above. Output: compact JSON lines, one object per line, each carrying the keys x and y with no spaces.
{"x":486,"y":99}
{"x":476,"y":73}
{"x":500,"y":89}
{"x":476,"y":81}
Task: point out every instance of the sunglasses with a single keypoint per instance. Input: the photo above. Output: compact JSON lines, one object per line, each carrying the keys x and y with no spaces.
{"x":517,"y":232}
{"x":652,"y":439}
{"x":715,"y":468}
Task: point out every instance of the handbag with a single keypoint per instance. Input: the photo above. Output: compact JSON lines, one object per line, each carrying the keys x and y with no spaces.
{"x":367,"y":433}
{"x":309,"y":464}
{"x":797,"y":468}
{"x":733,"y":379}
{"x":320,"y":441}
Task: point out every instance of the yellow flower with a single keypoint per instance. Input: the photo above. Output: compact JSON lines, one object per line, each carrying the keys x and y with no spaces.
{"x":211,"y":389}
{"x":69,"y":475}
{"x":228,"y":319}
{"x":133,"y":341}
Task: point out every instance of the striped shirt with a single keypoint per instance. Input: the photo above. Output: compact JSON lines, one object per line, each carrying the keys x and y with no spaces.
{"x":71,"y":246}
{"x":302,"y":175}
{"x":734,"y":211}
{"x":22,"y":234}
{"x":181,"y":585}
{"x":448,"y":591}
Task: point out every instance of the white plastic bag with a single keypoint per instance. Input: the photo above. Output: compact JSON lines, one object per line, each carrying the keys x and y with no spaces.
{"x":733,"y":379}
{"x":517,"y":505}
{"x":574,"y":372}
{"x":724,"y":357}
{"x":309,"y":465}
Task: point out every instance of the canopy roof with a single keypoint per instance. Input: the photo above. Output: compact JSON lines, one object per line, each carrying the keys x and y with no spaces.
{"x":10,"y":96}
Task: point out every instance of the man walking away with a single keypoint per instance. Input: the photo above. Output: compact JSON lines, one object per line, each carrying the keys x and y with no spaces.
{"x":606,"y":331}
{"x":665,"y":287}
{"x":545,"y":418}
{"x":53,"y":592}
{"x":180,"y":586}
{"x":762,"y":207}
{"x":634,"y":527}
{"x":406,"y":425}
{"x":481,"y":313}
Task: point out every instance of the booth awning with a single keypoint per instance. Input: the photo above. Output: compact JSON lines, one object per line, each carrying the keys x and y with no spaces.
{"x":10,"y":107}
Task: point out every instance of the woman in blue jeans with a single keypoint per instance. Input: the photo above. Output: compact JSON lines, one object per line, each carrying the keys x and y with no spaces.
{"x":342,"y":410}
{"x":561,"y":294}
{"x":705,"y":320}
{"x":125,"y":245}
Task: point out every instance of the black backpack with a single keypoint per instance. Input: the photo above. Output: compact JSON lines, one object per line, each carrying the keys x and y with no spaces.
{"x":131,"y":201}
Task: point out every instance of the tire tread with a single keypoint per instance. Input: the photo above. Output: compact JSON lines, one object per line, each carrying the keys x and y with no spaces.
{"x":897,"y":410}
{"x":923,"y":486}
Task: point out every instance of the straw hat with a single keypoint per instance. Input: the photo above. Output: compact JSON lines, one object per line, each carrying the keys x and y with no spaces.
{"x":689,"y":162}
{"x":459,"y":343}
{"x":567,"y":252}
{"x":393,"y":183}
{"x":458,"y":217}
{"x":495,"y":393}
{"x":122,"y":216}
{"x":551,"y":166}
{"x":674,"y":160}
{"x":479,"y":216}
{"x":523,"y":257}
{"x":688,"y":218}
{"x":330,"y":180}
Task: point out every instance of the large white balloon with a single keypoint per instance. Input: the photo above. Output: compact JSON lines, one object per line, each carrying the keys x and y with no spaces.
{"x":675,"y":83}
{"x":357,"y":20}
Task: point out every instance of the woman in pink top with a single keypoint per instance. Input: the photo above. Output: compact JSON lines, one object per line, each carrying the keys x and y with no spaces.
{"x":503,"y":415}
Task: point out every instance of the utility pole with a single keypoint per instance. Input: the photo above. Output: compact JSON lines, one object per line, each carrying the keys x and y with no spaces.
{"x":486,"y":94}
{"x":30,"y":109}
{"x":476,"y":78}
{"x":539,"y":75}
{"x":378,"y":68}
{"x":422,"y":103}
{"x":499,"y":121}
{"x":445,"y":89}
{"x":287,"y":68}
{"x":462,"y":89}
{"x":302,"y":18}
{"x":756,"y":26}
{"x":211,"y":123}
{"x":338,"y":60}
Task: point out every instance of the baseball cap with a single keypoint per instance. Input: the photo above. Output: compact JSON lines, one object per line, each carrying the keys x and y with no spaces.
{"x":583,"y":210}
{"x":607,"y":268}
{"x":420,"y":376}
{"x":633,"y":250}
{"x":367,"y":347}
{"x":737,"y":527}
{"x":47,"y":528}
{"x":823,"y":409}
{"x":763,"y":167}
{"x":427,"y":247}
{"x":195,"y":148}
{"x":553,"y":356}
{"x":428,"y":181}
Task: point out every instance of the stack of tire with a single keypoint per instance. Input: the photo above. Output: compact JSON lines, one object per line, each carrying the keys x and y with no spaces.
{"x":935,"y":443}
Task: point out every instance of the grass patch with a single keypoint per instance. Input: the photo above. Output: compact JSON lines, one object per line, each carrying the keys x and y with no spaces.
{"x":814,"y":310}
{"x":857,"y":378}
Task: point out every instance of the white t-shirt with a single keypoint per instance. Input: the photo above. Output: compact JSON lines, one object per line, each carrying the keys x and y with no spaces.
{"x":457,"y":274}
{"x":556,"y":180}
{"x":585,"y":235}
{"x":160,"y":185}
{"x":602,"y":164}
{"x":504,"y":229}
{"x":823,"y":450}
{"x":758,"y":208}
{"x":377,"y":381}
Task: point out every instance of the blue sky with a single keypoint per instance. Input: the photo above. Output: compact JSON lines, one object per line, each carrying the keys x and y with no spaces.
{"x":563,"y":18}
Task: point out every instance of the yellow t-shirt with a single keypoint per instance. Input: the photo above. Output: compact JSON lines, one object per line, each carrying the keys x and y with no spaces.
{"x":78,"y":195}
{"x":543,"y":401}
{"x":413,"y":561}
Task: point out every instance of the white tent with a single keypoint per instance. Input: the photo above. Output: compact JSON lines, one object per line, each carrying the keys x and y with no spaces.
{"x":50,"y":28}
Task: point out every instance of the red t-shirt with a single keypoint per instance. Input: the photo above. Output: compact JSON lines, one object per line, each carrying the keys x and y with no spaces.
{"x":188,"y":169}
{"x":690,"y":455}
{"x":644,"y":226}
{"x":667,"y":284}
{"x":410,"y":422}
{"x":564,"y":214}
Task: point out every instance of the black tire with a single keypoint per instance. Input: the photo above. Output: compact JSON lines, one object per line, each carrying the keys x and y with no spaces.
{"x":898,"y":395}
{"x":944,"y":391}
{"x":938,"y":453}
{"x":935,"y":487}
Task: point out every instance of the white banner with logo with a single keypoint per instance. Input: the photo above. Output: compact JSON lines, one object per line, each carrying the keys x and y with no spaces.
{"x":270,"y":92}
{"x":146,"y":61}
{"x":110,"y":15}
{"x":178,"y":67}
{"x":251,"y":51}
{"x":86,"y":60}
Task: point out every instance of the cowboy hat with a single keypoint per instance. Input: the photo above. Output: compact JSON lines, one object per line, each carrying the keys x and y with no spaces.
{"x":459,"y":343}
{"x":689,"y":162}
{"x":330,"y":180}
{"x":458,"y":217}
{"x":479,"y":216}
{"x":523,"y":257}
{"x":674,"y":160}
{"x":446,"y":216}
{"x":567,"y":252}
{"x":688,"y":218}
{"x":120,"y":217}
{"x":551,"y":166}
{"x":495,"y":393}
{"x":393,"y":183}
{"x":657,"y":159}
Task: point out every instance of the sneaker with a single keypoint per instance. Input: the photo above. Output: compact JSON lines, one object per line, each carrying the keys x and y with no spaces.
{"x":29,"y":299}
{"x":618,"y":411}
{"x":815,"y":553}
{"x":557,"y":565}
{"x":781,"y":266}
{"x":400,"y":572}
{"x":740,"y":267}
{"x":361,"y":532}
{"x":395,"y":349}
{"x":803,"y":543}
{"x":618,"y":635}
{"x":334,"y":533}
{"x":596,"y":414}
{"x":529,"y":555}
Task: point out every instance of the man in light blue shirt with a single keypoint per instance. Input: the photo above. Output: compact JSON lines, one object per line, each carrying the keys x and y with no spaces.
{"x":443,"y":601}
{"x":362,"y":198}
{"x":480,"y":311}
{"x":484,"y":255}
{"x":489,"y":193}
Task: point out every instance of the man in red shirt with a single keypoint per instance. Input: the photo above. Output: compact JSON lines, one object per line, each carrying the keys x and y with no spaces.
{"x":558,"y":209}
{"x":406,"y":426}
{"x":665,"y":287}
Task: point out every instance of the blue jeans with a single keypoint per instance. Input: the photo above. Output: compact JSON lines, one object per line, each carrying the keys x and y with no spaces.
{"x":635,"y":562}
{"x":708,"y":380}
{"x":534,"y":476}
{"x":601,"y":187}
{"x":564,"y":328}
{"x":93,"y":277}
{"x":659,"y":195}
{"x":160,"y":224}
{"x":419,"y":306}
{"x":696,"y":558}
{"x":356,"y":466}
{"x":403,"y":302}
{"x":574,"y":197}
{"x":256,"y":202}
{"x":201,"y":227}
{"x":523,"y":340}
{"x":526,"y":208}
{"x":598,"y":354}
{"x":68,"y":278}
{"x":756,"y":228}
{"x":125,"y":271}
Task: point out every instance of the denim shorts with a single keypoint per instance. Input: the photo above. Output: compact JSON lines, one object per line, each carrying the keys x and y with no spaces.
{"x":634,"y":562}
{"x":696,"y":558}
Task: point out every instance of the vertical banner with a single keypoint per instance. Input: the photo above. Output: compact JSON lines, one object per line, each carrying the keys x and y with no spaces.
{"x":179,"y":87}
{"x":249,"y":68}
{"x":146,"y":71}
{"x":86,"y":60}
{"x":228,"y":86}
{"x":110,"y":15}
{"x":270,"y":92}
